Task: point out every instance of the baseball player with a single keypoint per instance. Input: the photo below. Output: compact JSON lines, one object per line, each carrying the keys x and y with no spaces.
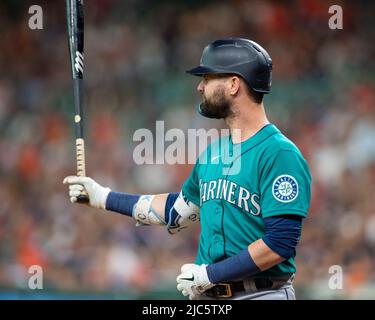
{"x":251,"y":220}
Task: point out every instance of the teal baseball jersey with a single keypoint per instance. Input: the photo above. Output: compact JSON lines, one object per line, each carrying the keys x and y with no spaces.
{"x":237,"y":185}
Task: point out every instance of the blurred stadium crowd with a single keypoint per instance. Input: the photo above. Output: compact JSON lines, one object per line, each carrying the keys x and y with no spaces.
{"x":136,"y":52}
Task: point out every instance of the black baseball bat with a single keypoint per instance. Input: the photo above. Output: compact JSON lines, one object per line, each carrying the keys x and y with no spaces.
{"x":75,"y":24}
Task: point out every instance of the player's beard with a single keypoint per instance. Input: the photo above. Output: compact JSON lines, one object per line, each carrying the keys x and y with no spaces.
{"x":216,"y":107}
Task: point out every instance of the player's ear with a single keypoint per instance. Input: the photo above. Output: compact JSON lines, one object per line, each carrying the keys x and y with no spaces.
{"x":234,"y":85}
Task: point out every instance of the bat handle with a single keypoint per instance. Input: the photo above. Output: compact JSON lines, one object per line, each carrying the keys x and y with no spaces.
{"x":81,"y":168}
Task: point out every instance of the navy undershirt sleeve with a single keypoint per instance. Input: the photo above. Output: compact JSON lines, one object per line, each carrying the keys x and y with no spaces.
{"x":121,"y":202}
{"x":283,"y":234}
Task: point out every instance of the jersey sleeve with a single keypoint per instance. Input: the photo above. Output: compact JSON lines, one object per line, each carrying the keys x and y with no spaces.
{"x":285,"y":185}
{"x":190,"y":188}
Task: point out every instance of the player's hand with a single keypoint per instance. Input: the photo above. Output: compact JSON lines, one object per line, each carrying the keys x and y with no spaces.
{"x":96,"y":193}
{"x":193,"y":280}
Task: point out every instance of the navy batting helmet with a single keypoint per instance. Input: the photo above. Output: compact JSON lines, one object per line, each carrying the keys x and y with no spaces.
{"x":239,"y":56}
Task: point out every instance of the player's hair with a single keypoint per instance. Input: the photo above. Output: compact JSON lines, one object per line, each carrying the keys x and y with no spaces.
{"x":257,"y":97}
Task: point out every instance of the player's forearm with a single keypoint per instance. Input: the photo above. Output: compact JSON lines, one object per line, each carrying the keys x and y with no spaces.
{"x":158,"y":204}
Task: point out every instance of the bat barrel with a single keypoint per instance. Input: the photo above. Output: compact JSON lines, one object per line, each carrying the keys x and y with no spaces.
{"x":75,"y":21}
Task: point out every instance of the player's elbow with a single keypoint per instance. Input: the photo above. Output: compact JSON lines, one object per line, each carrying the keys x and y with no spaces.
{"x":284,"y":251}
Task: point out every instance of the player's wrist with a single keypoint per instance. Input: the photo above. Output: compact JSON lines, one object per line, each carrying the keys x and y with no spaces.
{"x":97,"y":193}
{"x":103,"y":196}
{"x":203,"y":279}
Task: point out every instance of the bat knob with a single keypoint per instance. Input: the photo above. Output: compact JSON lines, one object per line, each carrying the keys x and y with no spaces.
{"x":83,"y":199}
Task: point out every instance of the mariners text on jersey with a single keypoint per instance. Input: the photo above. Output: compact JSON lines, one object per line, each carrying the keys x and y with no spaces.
{"x":223,"y":189}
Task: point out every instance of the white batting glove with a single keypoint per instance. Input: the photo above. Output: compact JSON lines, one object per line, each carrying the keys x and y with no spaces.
{"x":193,"y":280}
{"x":96,"y":193}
